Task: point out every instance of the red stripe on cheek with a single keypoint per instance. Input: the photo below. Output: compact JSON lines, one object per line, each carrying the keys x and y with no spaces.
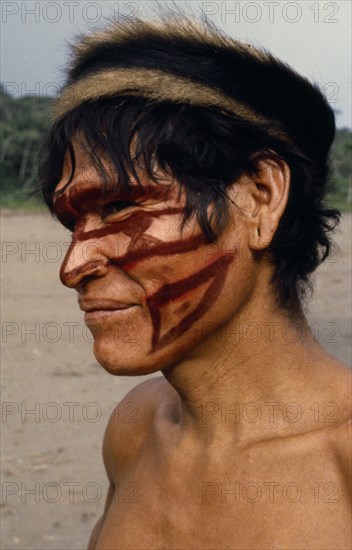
{"x":216,"y":271}
{"x":142,"y":246}
{"x":131,"y":259}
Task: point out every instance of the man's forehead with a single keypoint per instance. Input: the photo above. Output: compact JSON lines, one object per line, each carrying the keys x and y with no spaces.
{"x":85,"y":168}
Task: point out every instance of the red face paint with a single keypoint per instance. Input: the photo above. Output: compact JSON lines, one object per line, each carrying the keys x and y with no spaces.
{"x":142,"y":246}
{"x":77,"y":201}
{"x":216,"y":271}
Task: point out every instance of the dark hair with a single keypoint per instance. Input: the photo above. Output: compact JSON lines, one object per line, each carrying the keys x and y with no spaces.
{"x":206,"y":150}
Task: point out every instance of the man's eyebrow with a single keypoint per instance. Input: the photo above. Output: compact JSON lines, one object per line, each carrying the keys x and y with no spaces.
{"x":79,"y":198}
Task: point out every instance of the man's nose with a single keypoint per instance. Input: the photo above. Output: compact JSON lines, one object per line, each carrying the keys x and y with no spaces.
{"x":82,"y":260}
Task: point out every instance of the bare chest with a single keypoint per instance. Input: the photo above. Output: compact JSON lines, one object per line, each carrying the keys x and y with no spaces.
{"x":277,"y":503}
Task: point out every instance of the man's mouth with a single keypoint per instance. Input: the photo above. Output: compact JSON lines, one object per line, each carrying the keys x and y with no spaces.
{"x":101,"y":309}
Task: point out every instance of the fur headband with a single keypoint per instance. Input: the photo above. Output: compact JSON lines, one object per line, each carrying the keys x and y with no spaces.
{"x":188,"y":61}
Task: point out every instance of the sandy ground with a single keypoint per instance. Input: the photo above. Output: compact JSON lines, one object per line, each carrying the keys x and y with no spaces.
{"x":56,"y":399}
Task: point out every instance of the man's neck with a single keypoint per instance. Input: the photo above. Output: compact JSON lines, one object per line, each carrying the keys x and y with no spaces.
{"x":248,"y":382}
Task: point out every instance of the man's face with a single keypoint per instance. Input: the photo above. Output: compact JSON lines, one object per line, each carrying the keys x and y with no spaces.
{"x":150,"y":293}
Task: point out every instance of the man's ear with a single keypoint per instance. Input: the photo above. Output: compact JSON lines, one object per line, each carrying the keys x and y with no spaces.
{"x":262,"y":198}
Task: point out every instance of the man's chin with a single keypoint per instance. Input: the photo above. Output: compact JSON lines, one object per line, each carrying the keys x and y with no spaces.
{"x":123,"y":364}
{"x":136,"y":358}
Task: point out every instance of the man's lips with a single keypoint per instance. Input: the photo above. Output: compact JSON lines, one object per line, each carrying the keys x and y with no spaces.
{"x":101,"y":304}
{"x":100,"y":309}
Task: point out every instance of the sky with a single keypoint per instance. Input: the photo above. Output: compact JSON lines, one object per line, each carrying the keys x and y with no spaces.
{"x":314,"y":37}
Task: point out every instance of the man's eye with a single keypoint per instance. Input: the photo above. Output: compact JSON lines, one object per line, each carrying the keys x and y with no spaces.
{"x":116,"y":206}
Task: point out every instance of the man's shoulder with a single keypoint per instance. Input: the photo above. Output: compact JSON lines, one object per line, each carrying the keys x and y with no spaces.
{"x":131,"y":422}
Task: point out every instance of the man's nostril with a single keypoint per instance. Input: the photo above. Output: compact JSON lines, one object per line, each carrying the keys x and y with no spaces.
{"x":74,"y":277}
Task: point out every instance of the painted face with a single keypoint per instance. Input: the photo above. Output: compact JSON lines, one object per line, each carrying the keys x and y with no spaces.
{"x":150,"y":293}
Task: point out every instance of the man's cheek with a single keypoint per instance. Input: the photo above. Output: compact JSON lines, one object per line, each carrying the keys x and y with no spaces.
{"x":201,"y":288}
{"x":174,"y":311}
{"x":155,"y":270}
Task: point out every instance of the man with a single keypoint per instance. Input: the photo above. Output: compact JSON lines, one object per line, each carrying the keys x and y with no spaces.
{"x":191,"y":171}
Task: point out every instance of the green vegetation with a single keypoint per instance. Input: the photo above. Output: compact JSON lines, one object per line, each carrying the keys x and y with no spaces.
{"x":340,"y":191}
{"x":25,"y":123}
